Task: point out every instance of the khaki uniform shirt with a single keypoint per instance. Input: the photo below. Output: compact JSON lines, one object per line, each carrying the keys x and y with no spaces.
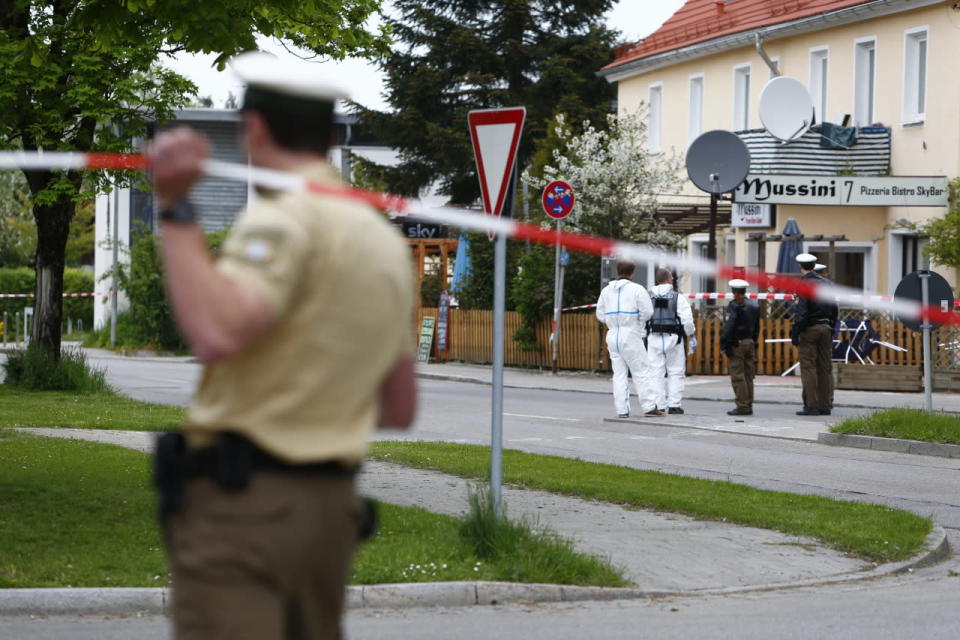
{"x":340,"y":280}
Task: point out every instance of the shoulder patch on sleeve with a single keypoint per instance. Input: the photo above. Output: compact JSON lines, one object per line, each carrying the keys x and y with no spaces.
{"x":259,"y":245}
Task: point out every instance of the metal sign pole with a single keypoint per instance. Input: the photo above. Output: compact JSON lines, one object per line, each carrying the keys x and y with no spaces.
{"x":496,"y":418}
{"x":927,"y":365}
{"x":114,"y":285}
{"x":499,"y":307}
{"x":555,"y":346}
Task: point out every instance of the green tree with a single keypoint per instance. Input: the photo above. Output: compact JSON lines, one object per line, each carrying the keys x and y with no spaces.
{"x":84,"y":75}
{"x":82,"y":236}
{"x":459,"y":55}
{"x":616,"y":180}
{"x":477,"y":289}
{"x":18,"y":237}
{"x":944,"y":233}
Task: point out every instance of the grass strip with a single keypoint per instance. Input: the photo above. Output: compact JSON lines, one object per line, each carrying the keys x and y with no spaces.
{"x":414,"y":545}
{"x":81,"y":514}
{"x":873,"y":532}
{"x":68,"y":409}
{"x":76,"y":514}
{"x":905,"y":424}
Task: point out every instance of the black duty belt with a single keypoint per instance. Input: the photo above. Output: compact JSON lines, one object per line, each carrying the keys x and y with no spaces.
{"x":234,"y":459}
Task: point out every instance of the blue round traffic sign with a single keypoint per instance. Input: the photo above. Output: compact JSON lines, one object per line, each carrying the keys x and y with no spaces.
{"x":558,"y":199}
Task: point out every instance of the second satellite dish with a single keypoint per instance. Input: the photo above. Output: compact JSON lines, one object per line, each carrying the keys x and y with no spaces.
{"x":786,"y":108}
{"x":718,"y":161}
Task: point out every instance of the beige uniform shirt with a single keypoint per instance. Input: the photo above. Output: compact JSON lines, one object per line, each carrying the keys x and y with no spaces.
{"x":340,"y":279}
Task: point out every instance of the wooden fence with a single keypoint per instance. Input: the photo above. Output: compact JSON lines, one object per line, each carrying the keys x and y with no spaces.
{"x":582,"y":345}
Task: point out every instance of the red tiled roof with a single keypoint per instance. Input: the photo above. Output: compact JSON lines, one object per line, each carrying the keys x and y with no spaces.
{"x":702,"y":20}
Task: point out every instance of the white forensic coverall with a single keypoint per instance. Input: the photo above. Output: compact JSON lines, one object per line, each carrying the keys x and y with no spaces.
{"x":666,"y":356}
{"x":624,"y":306}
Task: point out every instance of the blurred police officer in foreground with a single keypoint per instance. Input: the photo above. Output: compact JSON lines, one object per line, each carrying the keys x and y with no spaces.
{"x":624,"y":306}
{"x":738,"y":340}
{"x":297,"y":325}
{"x":812,"y":334}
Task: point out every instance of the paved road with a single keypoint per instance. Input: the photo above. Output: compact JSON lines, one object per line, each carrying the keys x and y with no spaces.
{"x":570,"y":424}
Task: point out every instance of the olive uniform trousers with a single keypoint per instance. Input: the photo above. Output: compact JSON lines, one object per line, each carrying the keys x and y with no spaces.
{"x":816,"y":367}
{"x":269,"y":562}
{"x":743,"y":367}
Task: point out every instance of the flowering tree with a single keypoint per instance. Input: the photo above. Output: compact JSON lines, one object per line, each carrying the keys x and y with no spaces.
{"x":615,"y":177}
{"x":617,"y":182}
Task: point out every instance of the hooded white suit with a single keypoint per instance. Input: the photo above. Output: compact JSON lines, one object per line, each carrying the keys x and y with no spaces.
{"x":666,"y":357}
{"x":624,"y":306}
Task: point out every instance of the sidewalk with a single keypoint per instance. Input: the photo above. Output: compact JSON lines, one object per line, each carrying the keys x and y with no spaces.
{"x":767,"y":389}
{"x":661,"y":554}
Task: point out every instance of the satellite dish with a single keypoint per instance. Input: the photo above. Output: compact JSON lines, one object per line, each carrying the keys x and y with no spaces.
{"x":718,"y":161}
{"x":786,"y":108}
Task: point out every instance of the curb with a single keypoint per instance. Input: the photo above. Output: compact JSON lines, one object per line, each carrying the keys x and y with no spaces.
{"x":655,"y":422}
{"x":445,"y":377}
{"x":155,"y":601}
{"x":890,"y":444}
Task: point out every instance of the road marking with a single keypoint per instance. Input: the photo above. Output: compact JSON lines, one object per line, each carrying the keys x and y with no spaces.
{"x":526,"y":439}
{"x":526,"y":415}
{"x":170,"y":380}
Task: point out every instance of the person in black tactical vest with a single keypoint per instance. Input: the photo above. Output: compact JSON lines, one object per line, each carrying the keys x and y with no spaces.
{"x":671,"y":322}
{"x":738,"y":341}
{"x":812,"y":334}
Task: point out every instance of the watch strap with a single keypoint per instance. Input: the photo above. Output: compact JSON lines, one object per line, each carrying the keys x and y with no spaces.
{"x":181,"y":211}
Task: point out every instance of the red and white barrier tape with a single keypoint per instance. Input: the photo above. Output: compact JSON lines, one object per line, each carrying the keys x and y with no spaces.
{"x":491,"y":224}
{"x":30,"y":295}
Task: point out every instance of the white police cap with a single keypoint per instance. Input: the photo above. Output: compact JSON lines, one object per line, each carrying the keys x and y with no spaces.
{"x":805,"y":258}
{"x":739,"y":284}
{"x":819,"y":267}
{"x":294,"y":78}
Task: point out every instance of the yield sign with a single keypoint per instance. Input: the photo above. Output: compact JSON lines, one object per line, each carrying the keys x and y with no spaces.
{"x":496,"y":135}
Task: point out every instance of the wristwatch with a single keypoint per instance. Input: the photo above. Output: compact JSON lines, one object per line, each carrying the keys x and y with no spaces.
{"x":181,"y":211}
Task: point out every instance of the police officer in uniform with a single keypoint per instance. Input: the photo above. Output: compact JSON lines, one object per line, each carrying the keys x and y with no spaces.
{"x":624,"y":306}
{"x":300,"y":369}
{"x":812,"y":334}
{"x":738,"y":340}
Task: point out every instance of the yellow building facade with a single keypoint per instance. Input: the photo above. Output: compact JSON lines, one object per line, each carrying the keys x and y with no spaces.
{"x":895,"y":64}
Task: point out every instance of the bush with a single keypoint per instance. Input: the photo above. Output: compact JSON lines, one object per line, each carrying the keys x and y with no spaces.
{"x":430,"y":288}
{"x":149,"y":322}
{"x":131,"y":334}
{"x":23,"y":280}
{"x":34,"y":369}
{"x":142,"y":281}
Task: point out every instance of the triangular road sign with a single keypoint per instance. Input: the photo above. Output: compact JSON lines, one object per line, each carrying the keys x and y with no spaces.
{"x":496,"y":135}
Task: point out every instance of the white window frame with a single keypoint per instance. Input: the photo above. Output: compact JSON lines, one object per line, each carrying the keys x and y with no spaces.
{"x":820,"y":81}
{"x":868,"y":249}
{"x":695,"y":106}
{"x":864,"y":106}
{"x":741,"y":96}
{"x":730,"y":249}
{"x":655,"y":118}
{"x":696,"y":244}
{"x":914,"y":77}
{"x":895,"y":255}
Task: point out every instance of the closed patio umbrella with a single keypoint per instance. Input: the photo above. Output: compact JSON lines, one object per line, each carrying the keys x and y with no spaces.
{"x":789,"y":249}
